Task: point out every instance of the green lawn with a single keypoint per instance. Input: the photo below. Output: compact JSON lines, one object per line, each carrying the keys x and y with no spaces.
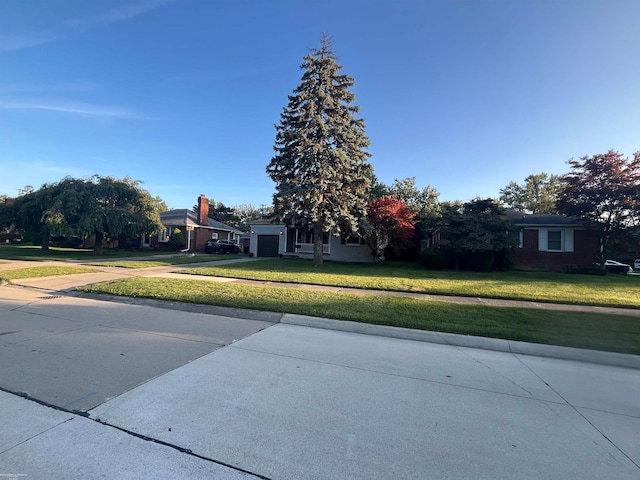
{"x":164,"y":262}
{"x":607,"y":290}
{"x":25,"y":252}
{"x":33,"y":272}
{"x":617,"y":333}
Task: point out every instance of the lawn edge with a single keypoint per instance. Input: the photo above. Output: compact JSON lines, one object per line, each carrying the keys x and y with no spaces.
{"x":187,"y":273}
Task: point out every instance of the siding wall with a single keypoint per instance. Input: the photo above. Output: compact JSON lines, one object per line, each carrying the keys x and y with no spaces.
{"x":336,"y":251}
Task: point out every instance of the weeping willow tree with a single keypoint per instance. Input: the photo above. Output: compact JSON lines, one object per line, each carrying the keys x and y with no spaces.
{"x":321,"y":167}
{"x":100,"y":206}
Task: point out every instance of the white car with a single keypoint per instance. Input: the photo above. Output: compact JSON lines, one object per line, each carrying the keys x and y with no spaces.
{"x":617,"y":266}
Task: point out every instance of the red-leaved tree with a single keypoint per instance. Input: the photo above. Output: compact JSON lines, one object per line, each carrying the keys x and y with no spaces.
{"x":605,"y":191}
{"x":390,"y":225}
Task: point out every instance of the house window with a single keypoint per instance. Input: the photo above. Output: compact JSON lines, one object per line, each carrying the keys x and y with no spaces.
{"x":554,"y":240}
{"x":214,"y":235}
{"x":163,"y":235}
{"x":352,"y":240}
{"x":517,"y":237}
{"x":305,"y":236}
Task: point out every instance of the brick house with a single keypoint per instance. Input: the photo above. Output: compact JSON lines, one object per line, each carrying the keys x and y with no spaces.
{"x":553,"y":242}
{"x":196,"y":227}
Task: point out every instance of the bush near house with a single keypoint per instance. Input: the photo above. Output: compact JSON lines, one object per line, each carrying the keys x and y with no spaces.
{"x":176,"y":240}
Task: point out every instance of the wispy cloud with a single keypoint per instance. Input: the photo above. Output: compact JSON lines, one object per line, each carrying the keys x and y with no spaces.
{"x":76,"y":86}
{"x":75,"y":108}
{"x":77,"y":26}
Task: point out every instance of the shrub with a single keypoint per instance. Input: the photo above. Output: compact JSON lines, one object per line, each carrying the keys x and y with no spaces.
{"x":32,"y":237}
{"x":503,"y":260}
{"x":434,"y":258}
{"x":176,"y":240}
{"x":481,"y":261}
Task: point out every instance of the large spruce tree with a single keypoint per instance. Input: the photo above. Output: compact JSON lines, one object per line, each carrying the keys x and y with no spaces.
{"x":320,"y":168}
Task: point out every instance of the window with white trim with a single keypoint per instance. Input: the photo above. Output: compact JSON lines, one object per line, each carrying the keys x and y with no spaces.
{"x":163,"y":235}
{"x":214,"y":235}
{"x":554,"y":240}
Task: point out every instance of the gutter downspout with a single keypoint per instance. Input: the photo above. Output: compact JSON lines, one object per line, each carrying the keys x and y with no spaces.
{"x":188,"y":243}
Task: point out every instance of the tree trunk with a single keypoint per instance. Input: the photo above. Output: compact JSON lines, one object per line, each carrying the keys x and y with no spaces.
{"x":317,"y":244}
{"x":97,"y":247}
{"x":45,"y":239}
{"x":601,"y":251}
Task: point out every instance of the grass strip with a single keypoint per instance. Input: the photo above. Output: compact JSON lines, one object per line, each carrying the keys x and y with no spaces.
{"x":35,"y":253}
{"x":165,"y":262}
{"x":33,"y":272}
{"x":606,"y":290}
{"x":615,"y":333}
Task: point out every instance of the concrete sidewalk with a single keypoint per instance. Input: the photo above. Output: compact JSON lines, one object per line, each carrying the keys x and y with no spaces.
{"x":295,"y":402}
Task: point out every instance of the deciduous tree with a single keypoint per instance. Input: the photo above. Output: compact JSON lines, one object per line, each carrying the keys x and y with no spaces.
{"x":419,"y":201}
{"x":604,"y":190}
{"x":390,"y":225}
{"x":538,"y":194}
{"x":320,"y":167}
{"x":424,"y":203}
{"x":7,"y":213}
{"x":247,"y":213}
{"x":100,"y":206}
{"x":29,"y":208}
{"x":475,"y":228}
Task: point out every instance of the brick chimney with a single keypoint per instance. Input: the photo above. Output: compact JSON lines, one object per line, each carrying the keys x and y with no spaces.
{"x":203,"y":210}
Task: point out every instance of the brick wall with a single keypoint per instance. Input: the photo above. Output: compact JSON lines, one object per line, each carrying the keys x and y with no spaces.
{"x":530,"y":258}
{"x":203,"y":210}
{"x":201,"y":235}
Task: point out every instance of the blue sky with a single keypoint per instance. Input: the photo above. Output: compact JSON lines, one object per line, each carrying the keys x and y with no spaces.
{"x":183,"y":95}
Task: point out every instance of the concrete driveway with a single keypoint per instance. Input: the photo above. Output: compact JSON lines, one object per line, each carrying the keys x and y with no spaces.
{"x":292,"y":402}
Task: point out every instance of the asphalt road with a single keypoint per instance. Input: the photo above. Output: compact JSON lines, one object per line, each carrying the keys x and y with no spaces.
{"x":76,"y":353}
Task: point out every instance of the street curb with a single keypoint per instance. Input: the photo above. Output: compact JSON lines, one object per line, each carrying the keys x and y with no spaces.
{"x":495,"y":344}
{"x":428,"y":336}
